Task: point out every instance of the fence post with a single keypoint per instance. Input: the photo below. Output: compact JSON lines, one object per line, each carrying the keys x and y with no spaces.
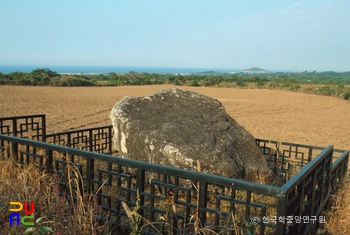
{"x":202,"y":200}
{"x":310,"y":155}
{"x":140,"y":188}
{"x":90,"y":175}
{"x":14,"y":145}
{"x":90,"y":141}
{"x":281,"y":211}
{"x":49,"y":161}
{"x":329,"y":172}
{"x":43,"y":123}
{"x":110,"y":142}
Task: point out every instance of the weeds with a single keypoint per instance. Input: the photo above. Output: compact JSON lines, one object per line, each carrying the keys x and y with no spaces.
{"x":134,"y":216}
{"x":54,"y":214}
{"x":339,"y":215}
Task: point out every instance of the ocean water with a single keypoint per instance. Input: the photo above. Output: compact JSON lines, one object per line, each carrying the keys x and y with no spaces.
{"x":107,"y":69}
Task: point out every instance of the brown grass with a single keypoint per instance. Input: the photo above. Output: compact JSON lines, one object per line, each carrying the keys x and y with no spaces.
{"x":270,"y":114}
{"x":53,"y":214}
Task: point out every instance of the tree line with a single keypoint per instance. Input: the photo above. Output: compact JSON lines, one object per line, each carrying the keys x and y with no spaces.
{"x":47,"y":77}
{"x":329,"y":83}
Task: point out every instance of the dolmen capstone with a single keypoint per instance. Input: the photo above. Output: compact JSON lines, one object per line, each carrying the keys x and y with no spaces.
{"x":178,"y":127}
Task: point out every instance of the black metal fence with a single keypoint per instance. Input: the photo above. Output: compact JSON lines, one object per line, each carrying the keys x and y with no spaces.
{"x":97,"y":139}
{"x":181,"y":197}
{"x":29,"y":126}
{"x":287,"y":158}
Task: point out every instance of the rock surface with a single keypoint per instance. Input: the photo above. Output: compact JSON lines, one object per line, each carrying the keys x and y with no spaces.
{"x":177,"y":127}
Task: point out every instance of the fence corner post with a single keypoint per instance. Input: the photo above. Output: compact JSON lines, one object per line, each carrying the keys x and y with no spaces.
{"x":281,"y":211}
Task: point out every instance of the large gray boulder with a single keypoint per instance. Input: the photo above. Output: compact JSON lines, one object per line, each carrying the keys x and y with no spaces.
{"x":177,"y":127}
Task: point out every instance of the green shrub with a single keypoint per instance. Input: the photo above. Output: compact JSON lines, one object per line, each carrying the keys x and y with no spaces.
{"x":274,"y":85}
{"x":347,"y":96}
{"x":241,"y":82}
{"x":194,"y":83}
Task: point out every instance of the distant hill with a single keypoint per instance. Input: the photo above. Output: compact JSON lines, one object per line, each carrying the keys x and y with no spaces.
{"x":255,"y":70}
{"x":209,"y":72}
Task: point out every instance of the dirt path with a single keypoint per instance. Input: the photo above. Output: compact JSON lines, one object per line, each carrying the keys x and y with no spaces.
{"x":271,"y":114}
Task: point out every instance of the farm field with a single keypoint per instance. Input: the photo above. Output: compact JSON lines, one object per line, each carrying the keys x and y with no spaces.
{"x":271,"y":114}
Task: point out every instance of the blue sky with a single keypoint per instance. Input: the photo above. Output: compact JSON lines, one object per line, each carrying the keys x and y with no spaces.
{"x":274,"y":34}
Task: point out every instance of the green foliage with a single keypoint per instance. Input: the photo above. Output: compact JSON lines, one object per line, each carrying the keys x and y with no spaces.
{"x":327,"y":90}
{"x":3,"y":78}
{"x":42,"y":76}
{"x":40,"y":228}
{"x":347,"y":96}
{"x":194,"y":83}
{"x":241,"y":82}
{"x":295,"y":87}
{"x":259,"y":81}
{"x":36,"y":77}
{"x":330,"y":83}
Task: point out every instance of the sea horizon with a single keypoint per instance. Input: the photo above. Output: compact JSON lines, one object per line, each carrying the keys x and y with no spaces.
{"x":6,"y":69}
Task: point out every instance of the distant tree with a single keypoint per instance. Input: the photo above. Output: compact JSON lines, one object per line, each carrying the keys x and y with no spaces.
{"x":241,"y":82}
{"x":19,"y":78}
{"x":42,"y":76}
{"x":3,"y":78}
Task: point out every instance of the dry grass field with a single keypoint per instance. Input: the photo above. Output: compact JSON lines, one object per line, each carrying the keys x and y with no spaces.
{"x":270,"y":114}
